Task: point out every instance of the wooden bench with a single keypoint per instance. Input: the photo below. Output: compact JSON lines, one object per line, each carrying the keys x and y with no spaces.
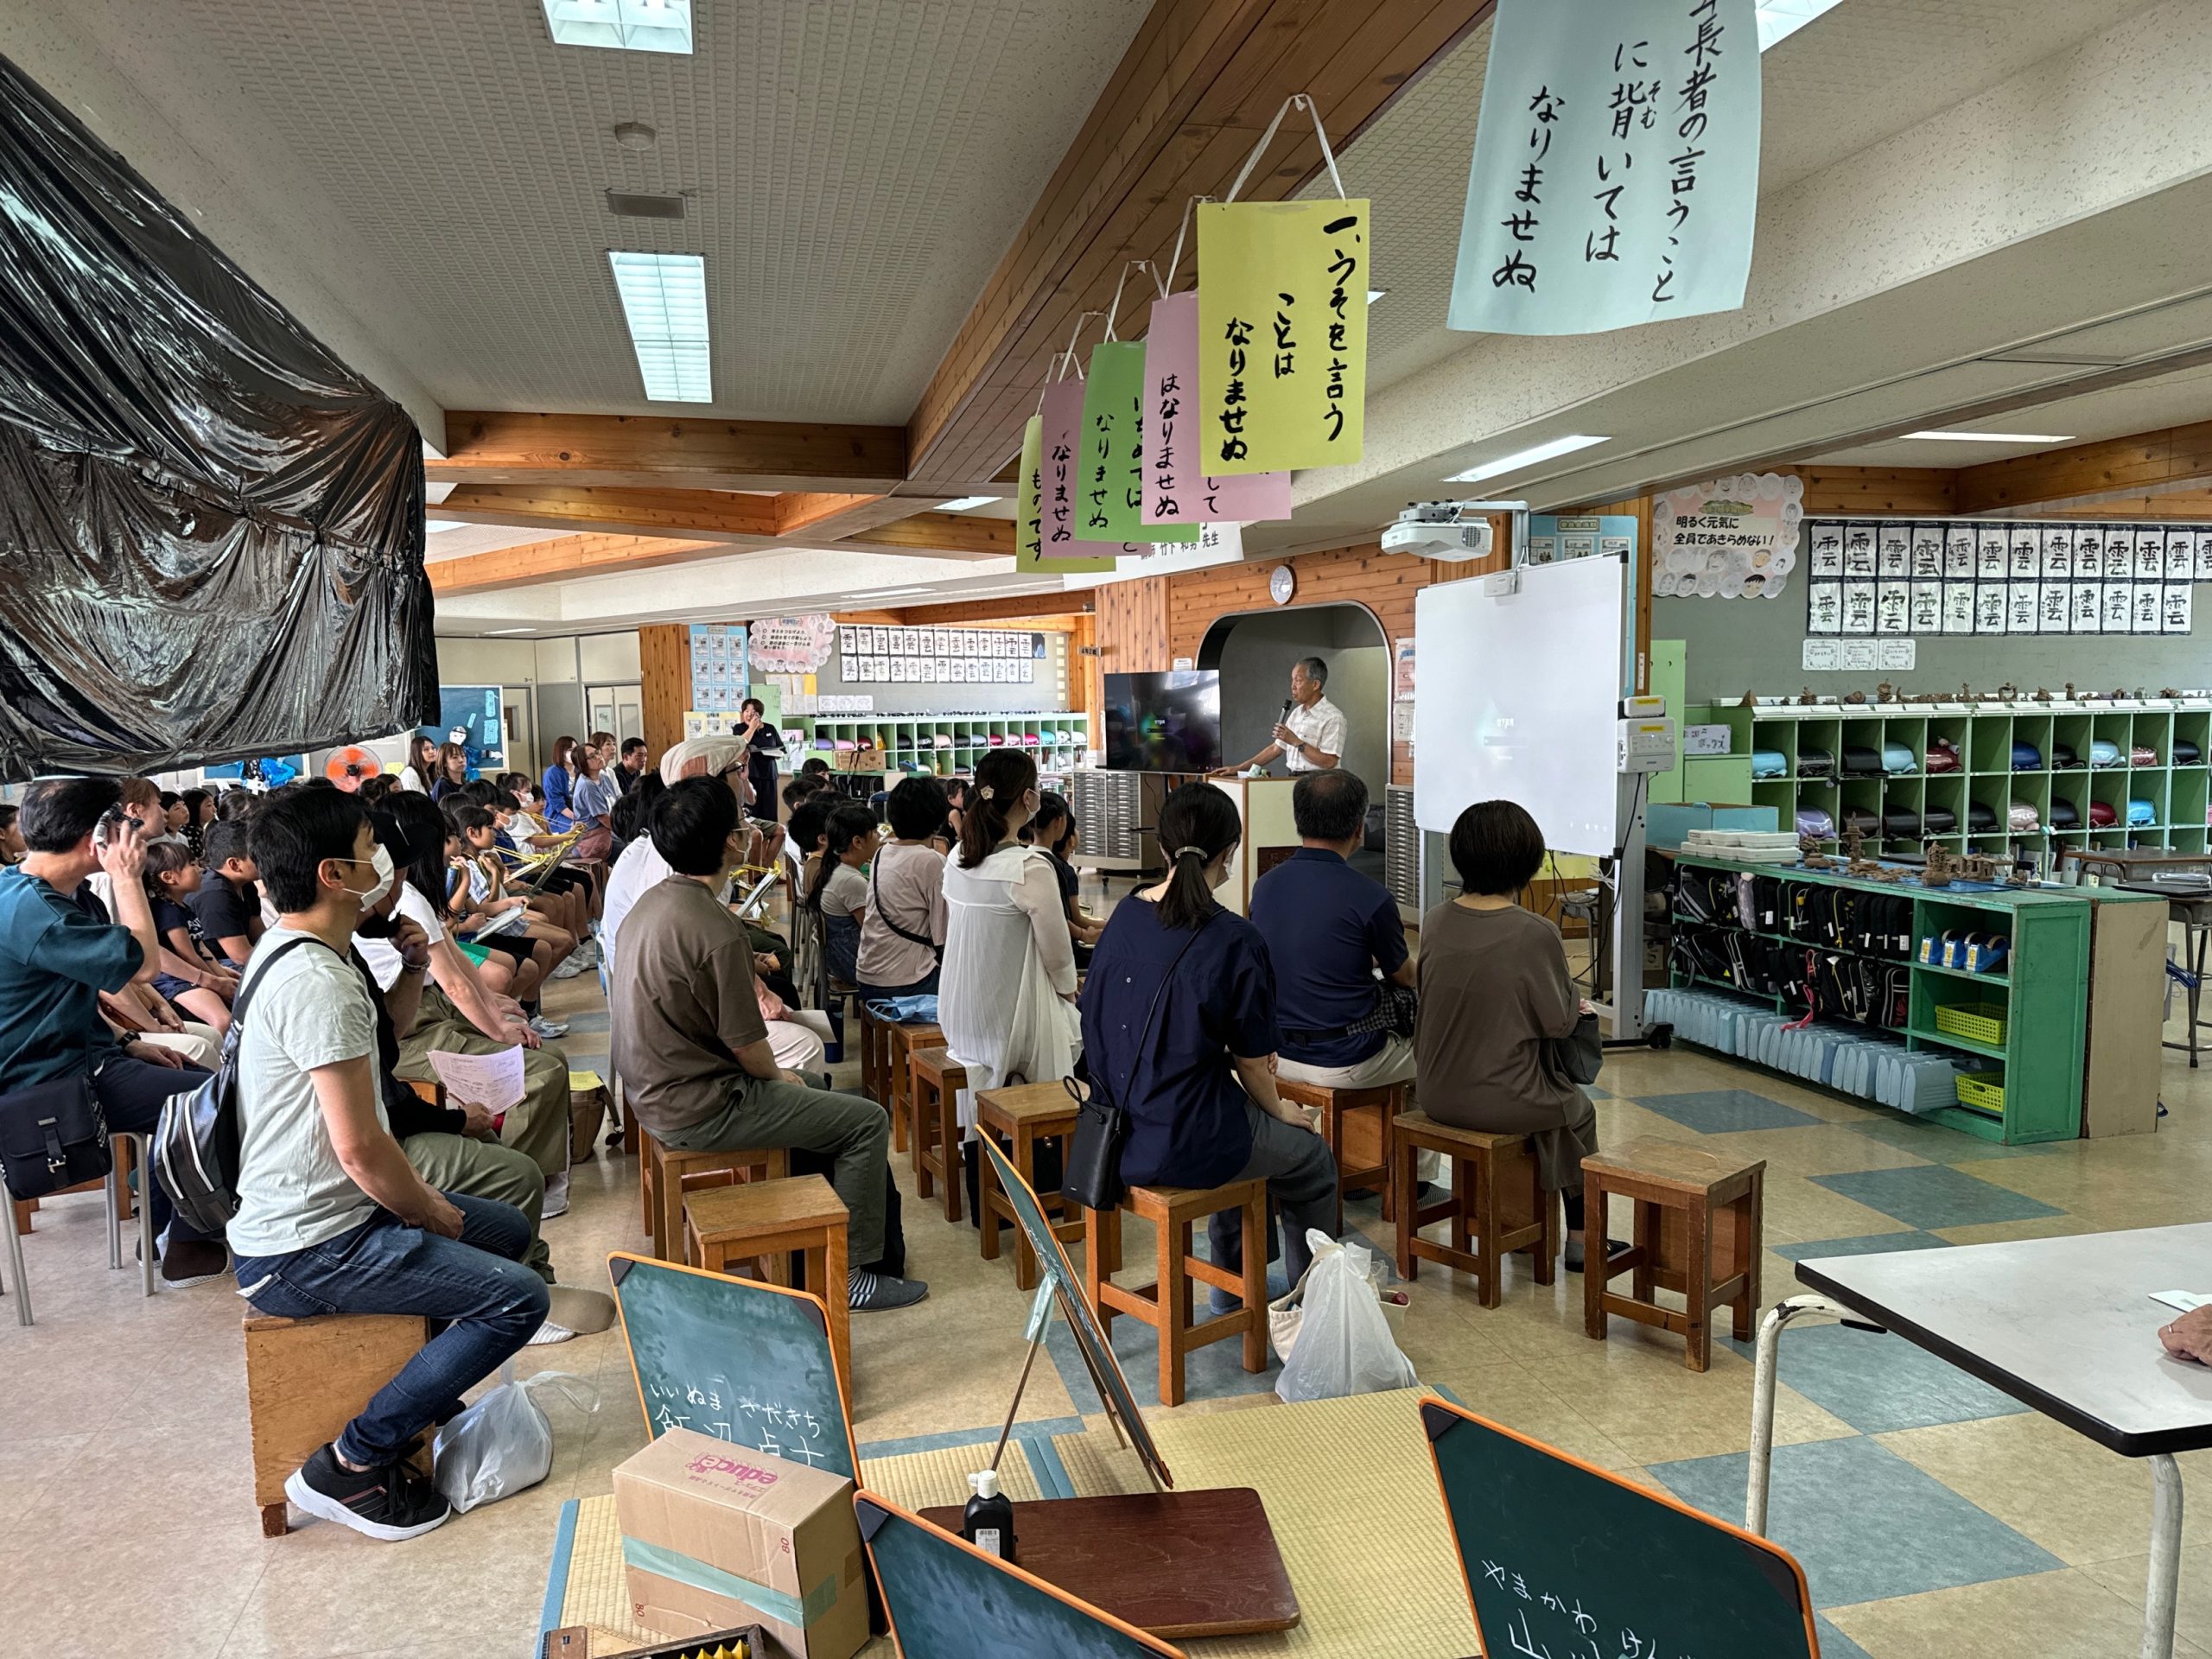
{"x":902,"y":1043}
{"x":667,"y":1173}
{"x":1496,"y":1204}
{"x":1358,"y":1125}
{"x":1697,"y":1232}
{"x":934,"y":1082}
{"x":305,"y":1380}
{"x":1024,"y":1114}
{"x":768,"y":1219}
{"x":1166,"y":1304}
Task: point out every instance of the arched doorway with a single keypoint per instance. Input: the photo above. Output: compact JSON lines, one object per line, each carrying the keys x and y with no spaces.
{"x":1254,"y":650}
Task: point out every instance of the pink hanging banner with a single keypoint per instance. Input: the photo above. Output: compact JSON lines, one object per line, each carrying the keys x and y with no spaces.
{"x":1173,"y":493}
{"x":1059,"y":491}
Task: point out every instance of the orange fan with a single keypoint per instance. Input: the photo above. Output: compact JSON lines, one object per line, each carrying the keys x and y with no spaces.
{"x":347,"y":766}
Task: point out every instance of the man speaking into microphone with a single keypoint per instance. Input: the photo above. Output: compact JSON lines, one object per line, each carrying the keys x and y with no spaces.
{"x":1310,"y":736}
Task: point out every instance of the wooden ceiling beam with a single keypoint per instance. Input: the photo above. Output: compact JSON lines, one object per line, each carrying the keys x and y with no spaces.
{"x":645,"y":451}
{"x":1024,"y":608}
{"x":568,"y":556}
{"x":2091,"y":475}
{"x":954,"y":535}
{"x":1190,"y":97}
{"x":719,"y":515}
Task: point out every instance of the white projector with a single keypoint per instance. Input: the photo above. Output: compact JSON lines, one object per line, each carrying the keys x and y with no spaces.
{"x":1437,"y":529}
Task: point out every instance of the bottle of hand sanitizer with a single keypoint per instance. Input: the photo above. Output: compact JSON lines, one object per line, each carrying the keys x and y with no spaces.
{"x":988,"y":1522}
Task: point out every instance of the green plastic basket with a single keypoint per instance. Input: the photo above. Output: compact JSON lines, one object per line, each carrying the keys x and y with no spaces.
{"x":1981,"y":1093}
{"x":1978,"y":1022}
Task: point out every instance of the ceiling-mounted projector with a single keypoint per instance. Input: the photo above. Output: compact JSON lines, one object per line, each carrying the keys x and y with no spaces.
{"x":1453,"y":531}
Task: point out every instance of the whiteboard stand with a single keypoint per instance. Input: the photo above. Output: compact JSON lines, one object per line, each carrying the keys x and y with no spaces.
{"x":1626,"y":1011}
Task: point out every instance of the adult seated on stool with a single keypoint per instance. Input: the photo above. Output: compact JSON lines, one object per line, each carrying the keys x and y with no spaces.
{"x":693,"y":1051}
{"x":1329,"y":931}
{"x":1179,"y":1009}
{"x":332,"y":1218}
{"x":1494,"y":993}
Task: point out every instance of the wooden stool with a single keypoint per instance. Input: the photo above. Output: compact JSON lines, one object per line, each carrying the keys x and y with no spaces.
{"x":934,"y":1080}
{"x":1698,"y":1221}
{"x":1166,"y":1304}
{"x":1497,"y":1204}
{"x":902,"y":1041}
{"x":1356,"y":1124}
{"x":667,"y":1172}
{"x":305,"y":1380}
{"x":875,"y":1055}
{"x":768,"y":1219}
{"x":1024,"y":1114}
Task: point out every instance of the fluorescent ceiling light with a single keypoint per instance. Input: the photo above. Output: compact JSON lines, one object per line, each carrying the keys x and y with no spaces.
{"x":890,"y":593}
{"x":1779,"y":19}
{"x":1375,"y":294}
{"x":1995,"y":437}
{"x":493,"y":634}
{"x":966,"y":502}
{"x":434,"y":525}
{"x":626,"y":25}
{"x":664,"y":302}
{"x":1512,"y":463}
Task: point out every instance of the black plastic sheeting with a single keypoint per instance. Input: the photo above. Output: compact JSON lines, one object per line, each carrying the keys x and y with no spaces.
{"x":211,"y":529}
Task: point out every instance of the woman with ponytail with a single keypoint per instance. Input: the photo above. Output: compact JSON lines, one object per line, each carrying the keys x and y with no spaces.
{"x":1005,"y":993}
{"x":1179,"y":1023}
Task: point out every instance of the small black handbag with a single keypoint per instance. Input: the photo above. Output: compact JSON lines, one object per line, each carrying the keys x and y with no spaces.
{"x":1093,"y":1176}
{"x":1581,"y":1053}
{"x":52,"y":1135}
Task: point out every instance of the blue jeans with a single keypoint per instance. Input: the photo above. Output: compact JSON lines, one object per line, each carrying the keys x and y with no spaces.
{"x":131,"y":1093}
{"x":491,"y":1303}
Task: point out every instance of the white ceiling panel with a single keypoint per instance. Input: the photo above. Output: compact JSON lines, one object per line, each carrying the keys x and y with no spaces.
{"x":2182,"y":399}
{"x":853,"y":169}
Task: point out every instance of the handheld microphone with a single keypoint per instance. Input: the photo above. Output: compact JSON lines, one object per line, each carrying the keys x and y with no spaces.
{"x":1289,"y":704}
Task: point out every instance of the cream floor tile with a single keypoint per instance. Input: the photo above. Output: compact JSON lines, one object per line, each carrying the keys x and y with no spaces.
{"x":1810,"y":1149}
{"x":2063,"y":1491}
{"x":2128,"y":1576}
{"x":128,"y":1591}
{"x":1796,"y":1206}
{"x":27,"y":1467}
{"x":2001,"y":1232}
{"x":2051,"y":1614}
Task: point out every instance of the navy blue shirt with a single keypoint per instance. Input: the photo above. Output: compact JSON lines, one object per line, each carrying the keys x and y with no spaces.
{"x":1186,"y":1109}
{"x":1327,"y":928}
{"x":56,"y":956}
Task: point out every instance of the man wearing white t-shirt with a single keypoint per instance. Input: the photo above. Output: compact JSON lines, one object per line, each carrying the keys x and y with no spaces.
{"x":332,"y":1217}
{"x":1310,"y":736}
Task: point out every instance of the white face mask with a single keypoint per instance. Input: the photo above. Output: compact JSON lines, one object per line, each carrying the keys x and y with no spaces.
{"x":381,"y":863}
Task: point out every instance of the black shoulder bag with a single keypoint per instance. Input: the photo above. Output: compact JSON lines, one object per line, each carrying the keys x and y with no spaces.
{"x":197,"y":1147}
{"x":1093,"y":1176}
{"x":52,"y":1135}
{"x":875,"y":898}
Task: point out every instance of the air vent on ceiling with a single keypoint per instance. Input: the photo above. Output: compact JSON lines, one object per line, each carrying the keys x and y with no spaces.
{"x":626,"y":205}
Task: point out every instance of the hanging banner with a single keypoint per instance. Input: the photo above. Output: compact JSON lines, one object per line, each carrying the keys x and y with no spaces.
{"x":1565,"y":233}
{"x":1175,"y":493}
{"x":1282,"y":334}
{"x":1058,"y":486}
{"x":1029,"y":513}
{"x":1110,"y":505}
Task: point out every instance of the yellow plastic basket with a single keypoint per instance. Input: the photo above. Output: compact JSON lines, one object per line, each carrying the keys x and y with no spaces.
{"x":1981,"y":1095}
{"x":1978,"y":1022}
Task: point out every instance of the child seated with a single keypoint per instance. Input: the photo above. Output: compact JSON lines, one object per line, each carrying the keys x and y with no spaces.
{"x":227,"y":904}
{"x":189,"y":976}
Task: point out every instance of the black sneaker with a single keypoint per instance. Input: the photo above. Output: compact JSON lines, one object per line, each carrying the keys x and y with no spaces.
{"x":389,"y":1504}
{"x":193,"y":1261}
{"x":874,"y":1293}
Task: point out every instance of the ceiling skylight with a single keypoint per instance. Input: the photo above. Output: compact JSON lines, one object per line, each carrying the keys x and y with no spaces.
{"x":1994,"y":437}
{"x":1515,"y":462}
{"x":1780,"y":19}
{"x":664,"y":302}
{"x":626,"y":25}
{"x":966,"y":502}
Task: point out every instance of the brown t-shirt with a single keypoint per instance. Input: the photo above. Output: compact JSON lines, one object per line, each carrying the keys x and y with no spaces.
{"x":683,"y":1004}
{"x":1493,"y":988}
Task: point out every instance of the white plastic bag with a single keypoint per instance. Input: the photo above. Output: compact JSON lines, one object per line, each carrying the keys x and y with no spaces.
{"x":503,"y":1444}
{"x":1342,"y":1344}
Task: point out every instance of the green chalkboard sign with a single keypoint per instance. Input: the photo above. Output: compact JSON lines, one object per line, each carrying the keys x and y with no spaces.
{"x":744,"y":1361}
{"x":1083,"y":1320}
{"x":948,"y":1600}
{"x":1563,"y":1558}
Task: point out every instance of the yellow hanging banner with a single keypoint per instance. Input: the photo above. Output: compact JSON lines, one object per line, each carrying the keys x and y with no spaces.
{"x":1029,"y":514}
{"x":1282,"y":334}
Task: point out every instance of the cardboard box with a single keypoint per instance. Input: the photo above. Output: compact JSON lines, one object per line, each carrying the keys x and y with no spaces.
{"x":707,"y":1524}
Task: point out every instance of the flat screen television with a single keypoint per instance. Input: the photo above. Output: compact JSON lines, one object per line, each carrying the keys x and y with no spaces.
{"x":1164,"y":722}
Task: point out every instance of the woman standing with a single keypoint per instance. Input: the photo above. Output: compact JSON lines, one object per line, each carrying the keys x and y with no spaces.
{"x":1178,"y":1026}
{"x":1494,"y":994}
{"x":1005,"y":998}
{"x":453,"y":771}
{"x":763,"y":744}
{"x":421,"y":769}
{"x":559,"y":817}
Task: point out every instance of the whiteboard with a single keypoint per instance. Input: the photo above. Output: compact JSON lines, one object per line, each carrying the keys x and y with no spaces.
{"x":1520,"y":699}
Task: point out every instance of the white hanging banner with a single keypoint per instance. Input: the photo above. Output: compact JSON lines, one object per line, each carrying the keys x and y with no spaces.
{"x":1616,"y":167}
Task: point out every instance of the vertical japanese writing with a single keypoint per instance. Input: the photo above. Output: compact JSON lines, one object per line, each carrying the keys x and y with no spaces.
{"x":1703,"y":53}
{"x":1521,"y":223}
{"x":1100,"y":445}
{"x":1234,"y":397}
{"x":1167,"y":504}
{"x":1062,"y":507}
{"x":1344,"y":266}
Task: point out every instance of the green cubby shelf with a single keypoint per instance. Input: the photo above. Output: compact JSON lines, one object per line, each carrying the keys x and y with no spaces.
{"x":904,"y":740}
{"x":2042,"y":992}
{"x":1984,"y":734}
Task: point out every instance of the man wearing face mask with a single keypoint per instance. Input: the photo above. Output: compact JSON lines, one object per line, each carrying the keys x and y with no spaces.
{"x":332,"y":1217}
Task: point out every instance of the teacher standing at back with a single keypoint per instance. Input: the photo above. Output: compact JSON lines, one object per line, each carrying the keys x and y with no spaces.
{"x":1310,"y":736}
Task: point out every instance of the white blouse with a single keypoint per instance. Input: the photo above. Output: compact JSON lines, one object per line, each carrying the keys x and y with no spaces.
{"x":1008,"y":963}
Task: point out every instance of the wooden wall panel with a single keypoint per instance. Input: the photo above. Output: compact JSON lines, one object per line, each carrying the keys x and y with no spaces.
{"x":664,"y":665}
{"x":1133,"y":624}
